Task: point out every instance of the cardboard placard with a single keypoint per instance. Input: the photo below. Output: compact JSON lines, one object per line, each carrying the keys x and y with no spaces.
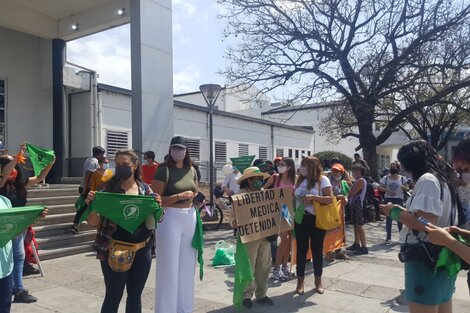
{"x":259,"y":213}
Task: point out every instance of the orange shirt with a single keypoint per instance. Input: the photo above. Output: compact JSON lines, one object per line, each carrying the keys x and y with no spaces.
{"x":97,"y":179}
{"x":148,"y":172}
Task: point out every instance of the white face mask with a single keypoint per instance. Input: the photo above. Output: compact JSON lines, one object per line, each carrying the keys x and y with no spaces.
{"x":303,"y":171}
{"x":177,"y":154}
{"x":282,"y":169}
{"x":466,"y":177}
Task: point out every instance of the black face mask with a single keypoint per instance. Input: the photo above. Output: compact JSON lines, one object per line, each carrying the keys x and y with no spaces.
{"x":393,"y":171}
{"x":123,"y":172}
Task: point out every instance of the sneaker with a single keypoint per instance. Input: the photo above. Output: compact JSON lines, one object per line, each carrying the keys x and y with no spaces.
{"x":74,"y":230}
{"x":361,"y":251}
{"x":247,"y":303}
{"x":354,"y":247}
{"x":24,"y":297}
{"x":388,"y":242}
{"x":28,"y":269}
{"x":278,"y":275}
{"x":285,"y":270}
{"x":266,"y":300}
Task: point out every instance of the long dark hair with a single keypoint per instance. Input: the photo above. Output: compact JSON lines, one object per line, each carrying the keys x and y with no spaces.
{"x":17,"y":187}
{"x":419,"y":157}
{"x":291,"y":173}
{"x":114,"y":184}
{"x":170,"y":163}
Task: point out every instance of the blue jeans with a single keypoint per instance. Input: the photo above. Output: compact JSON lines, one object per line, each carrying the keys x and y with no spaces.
{"x":388,"y":223}
{"x":6,"y":287}
{"x":18,"y":263}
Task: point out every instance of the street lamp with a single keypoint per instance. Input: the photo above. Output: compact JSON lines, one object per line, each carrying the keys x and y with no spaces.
{"x":211,"y":92}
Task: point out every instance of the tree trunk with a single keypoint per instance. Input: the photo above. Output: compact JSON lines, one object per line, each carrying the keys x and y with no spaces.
{"x":370,"y":155}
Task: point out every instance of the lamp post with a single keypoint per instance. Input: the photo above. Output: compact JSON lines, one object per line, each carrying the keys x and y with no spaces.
{"x":210,"y":92}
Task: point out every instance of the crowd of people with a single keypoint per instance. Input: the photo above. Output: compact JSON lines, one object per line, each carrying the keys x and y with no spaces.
{"x":426,"y":219}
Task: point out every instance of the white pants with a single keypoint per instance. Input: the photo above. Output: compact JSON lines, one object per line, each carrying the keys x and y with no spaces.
{"x":176,"y":261}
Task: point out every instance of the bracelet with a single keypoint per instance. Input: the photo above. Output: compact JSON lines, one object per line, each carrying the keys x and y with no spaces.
{"x":394,"y":213}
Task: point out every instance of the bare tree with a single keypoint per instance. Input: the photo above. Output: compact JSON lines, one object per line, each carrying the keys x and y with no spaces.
{"x":364,"y":52}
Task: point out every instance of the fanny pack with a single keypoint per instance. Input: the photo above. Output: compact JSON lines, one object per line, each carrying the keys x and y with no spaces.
{"x":422,"y":252}
{"x":122,"y":254}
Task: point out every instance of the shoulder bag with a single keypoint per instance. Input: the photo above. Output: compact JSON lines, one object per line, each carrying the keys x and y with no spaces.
{"x":327,"y":216}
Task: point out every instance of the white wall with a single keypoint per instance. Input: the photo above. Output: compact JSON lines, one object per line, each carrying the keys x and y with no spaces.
{"x":26,"y":64}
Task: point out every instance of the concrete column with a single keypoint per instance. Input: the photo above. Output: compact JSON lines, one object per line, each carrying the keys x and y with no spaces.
{"x":152,"y":75}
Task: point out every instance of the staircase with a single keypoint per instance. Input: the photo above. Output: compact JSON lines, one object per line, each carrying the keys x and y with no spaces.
{"x":53,"y":232}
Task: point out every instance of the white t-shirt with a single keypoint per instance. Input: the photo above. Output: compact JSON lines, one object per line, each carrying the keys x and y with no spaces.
{"x":91,"y":164}
{"x":230,"y":182}
{"x":426,"y":197}
{"x":302,"y":190}
{"x":393,"y":186}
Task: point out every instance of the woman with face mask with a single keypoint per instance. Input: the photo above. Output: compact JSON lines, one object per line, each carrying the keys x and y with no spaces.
{"x":127,"y":180}
{"x":259,"y":251}
{"x":101,"y":175}
{"x":311,"y":186}
{"x":285,"y":178}
{"x":176,"y":181}
{"x":393,"y":185}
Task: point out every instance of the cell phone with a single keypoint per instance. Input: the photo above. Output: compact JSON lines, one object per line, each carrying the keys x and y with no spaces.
{"x":423,"y":221}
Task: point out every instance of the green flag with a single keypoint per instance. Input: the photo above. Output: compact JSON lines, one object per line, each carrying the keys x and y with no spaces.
{"x":299,"y":213}
{"x":15,"y":220}
{"x":198,"y":244}
{"x":128,"y":211}
{"x":40,"y":158}
{"x":243,"y":273}
{"x":242,"y":163}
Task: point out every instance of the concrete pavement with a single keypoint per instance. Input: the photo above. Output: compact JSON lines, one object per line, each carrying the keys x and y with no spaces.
{"x":368,"y":283}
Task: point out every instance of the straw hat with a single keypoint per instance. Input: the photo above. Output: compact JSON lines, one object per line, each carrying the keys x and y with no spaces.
{"x":252,"y":172}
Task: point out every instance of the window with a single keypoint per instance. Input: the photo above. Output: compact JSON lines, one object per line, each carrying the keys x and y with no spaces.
{"x":296,"y":154}
{"x":309,"y":153}
{"x":263,"y":153}
{"x":116,"y":140}
{"x":2,"y":113}
{"x":290,"y":153}
{"x":280,"y":152}
{"x":242,"y":150}
{"x":194,"y":146}
{"x":220,"y":152}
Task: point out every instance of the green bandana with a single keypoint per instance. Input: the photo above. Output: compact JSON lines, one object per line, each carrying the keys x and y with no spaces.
{"x":40,"y":158}
{"x":243,"y":273}
{"x":128,"y":211}
{"x":15,"y":220}
{"x":299,"y":213}
{"x":449,"y":260}
{"x":198,"y":244}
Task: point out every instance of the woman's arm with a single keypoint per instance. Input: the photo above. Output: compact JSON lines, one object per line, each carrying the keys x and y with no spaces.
{"x":327,"y":197}
{"x":7,"y":170}
{"x":37,"y":179}
{"x":408,"y":218}
{"x":442,"y":237}
{"x":159,"y":187}
{"x":357,"y":188}
{"x":93,"y":219}
{"x":269,"y":183}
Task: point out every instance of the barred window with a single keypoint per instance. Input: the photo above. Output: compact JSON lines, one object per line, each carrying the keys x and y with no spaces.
{"x":280,"y":152}
{"x":296,"y":154}
{"x":242,"y":150}
{"x":263,"y":153}
{"x":194,"y":147}
{"x":116,"y":140}
{"x":290,"y":153}
{"x":220,"y":152}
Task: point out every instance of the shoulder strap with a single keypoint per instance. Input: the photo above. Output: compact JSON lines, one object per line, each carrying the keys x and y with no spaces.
{"x":386,"y":180}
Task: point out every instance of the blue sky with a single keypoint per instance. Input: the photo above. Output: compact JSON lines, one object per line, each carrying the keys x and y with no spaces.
{"x":198,"y":48}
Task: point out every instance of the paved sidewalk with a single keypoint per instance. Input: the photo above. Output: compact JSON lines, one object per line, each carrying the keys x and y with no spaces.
{"x":367,"y":283}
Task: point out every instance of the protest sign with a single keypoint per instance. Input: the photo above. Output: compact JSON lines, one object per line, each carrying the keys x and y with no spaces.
{"x":263,"y":213}
{"x":242,"y":163}
{"x":15,"y":220}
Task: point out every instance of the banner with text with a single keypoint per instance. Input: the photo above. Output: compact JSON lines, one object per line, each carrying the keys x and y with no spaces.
{"x":243,"y":162}
{"x":263,"y":213}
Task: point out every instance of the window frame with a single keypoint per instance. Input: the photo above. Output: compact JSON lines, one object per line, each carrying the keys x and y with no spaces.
{"x":243,"y":149}
{"x":111,"y":152}
{"x":194,"y":154}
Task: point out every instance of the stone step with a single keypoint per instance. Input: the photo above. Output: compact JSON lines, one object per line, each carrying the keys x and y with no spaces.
{"x":61,"y":209}
{"x":72,"y":249}
{"x":52,"y":192}
{"x":56,"y":219}
{"x":53,"y":200}
{"x":65,"y":240}
{"x":45,"y":231}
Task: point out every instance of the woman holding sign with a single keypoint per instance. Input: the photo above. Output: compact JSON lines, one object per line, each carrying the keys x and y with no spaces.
{"x":126,"y":180}
{"x":311,"y":186}
{"x":176,"y":181}
{"x":14,"y":187}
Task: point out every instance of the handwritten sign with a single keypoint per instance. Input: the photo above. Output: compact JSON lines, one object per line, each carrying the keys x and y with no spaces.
{"x":263,"y":213}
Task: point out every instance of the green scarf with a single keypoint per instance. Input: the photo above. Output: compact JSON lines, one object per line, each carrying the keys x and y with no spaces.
{"x":15,"y":220}
{"x":198,"y":244}
{"x":299,"y":213}
{"x":345,"y":188}
{"x":243,"y":273}
{"x":450,"y":260}
{"x":40,"y":158}
{"x":127,"y":211}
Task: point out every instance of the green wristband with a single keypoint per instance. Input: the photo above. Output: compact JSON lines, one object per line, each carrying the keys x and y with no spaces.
{"x":394,"y":213}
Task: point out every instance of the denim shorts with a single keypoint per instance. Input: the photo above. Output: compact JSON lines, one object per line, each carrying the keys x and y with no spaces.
{"x":424,"y":286}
